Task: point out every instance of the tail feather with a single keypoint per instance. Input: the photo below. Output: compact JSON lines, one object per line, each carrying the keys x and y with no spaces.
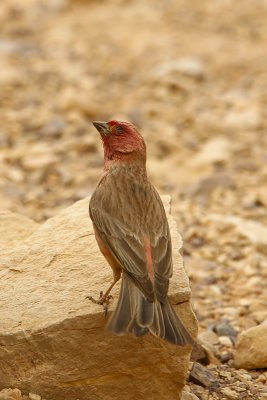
{"x":145,"y":312}
{"x":134,"y":313}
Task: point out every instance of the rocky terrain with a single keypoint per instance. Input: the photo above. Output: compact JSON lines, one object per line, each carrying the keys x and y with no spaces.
{"x":193,"y":77}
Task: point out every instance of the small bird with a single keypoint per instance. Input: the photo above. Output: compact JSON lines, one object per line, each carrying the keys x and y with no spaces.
{"x":132,"y":232}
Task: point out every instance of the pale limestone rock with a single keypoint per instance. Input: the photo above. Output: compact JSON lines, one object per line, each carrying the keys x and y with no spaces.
{"x":33,"y":396}
{"x":14,"y":228}
{"x":190,"y":66}
{"x":208,"y":336}
{"x":243,"y":119}
{"x":189,"y":396}
{"x":53,"y":340}
{"x":10,"y":394}
{"x":229,"y":393}
{"x":215,"y":150}
{"x":225,"y":341}
{"x":255,"y":231}
{"x":251,"y":348}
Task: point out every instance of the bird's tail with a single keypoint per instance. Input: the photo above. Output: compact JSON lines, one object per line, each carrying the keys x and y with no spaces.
{"x":134,"y":313}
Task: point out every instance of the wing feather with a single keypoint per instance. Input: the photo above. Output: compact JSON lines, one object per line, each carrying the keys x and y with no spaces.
{"x":122,"y":225}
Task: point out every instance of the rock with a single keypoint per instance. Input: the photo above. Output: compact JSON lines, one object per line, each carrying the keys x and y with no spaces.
{"x":54,"y":127}
{"x":255,"y":231}
{"x":224,"y":328}
{"x":199,"y":354}
{"x":9,"y":47}
{"x":14,"y":228}
{"x":229,"y":393}
{"x":251,"y":348}
{"x":191,"y":67}
{"x":33,"y":396}
{"x":208,"y":336}
{"x":71,"y":100}
{"x":225,"y":341}
{"x":243,"y":119}
{"x":10,"y":394}
{"x":226,"y":356}
{"x":189,"y":396}
{"x":39,"y":162}
{"x":216,"y":150}
{"x":201,"y":375}
{"x":59,"y":337}
{"x":204,"y":353}
{"x":262,"y":378}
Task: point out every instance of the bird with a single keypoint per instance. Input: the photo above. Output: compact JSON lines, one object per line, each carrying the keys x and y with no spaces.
{"x":132,"y":232}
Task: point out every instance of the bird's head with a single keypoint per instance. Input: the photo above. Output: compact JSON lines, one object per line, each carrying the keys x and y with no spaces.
{"x":121,"y":141}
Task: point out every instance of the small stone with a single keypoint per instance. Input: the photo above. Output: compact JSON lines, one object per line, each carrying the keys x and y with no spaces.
{"x":36,"y":162}
{"x":199,"y":354}
{"x":191,"y":66}
{"x":201,"y":375}
{"x":262,"y":378}
{"x":33,"y":396}
{"x":260,"y":316}
{"x":225,"y":341}
{"x":251,"y":348}
{"x":216,"y":150}
{"x":254,"y":231}
{"x":226,"y":356}
{"x":229,"y":393}
{"x":225,"y":374}
{"x":208,"y":336}
{"x":189,"y":396}
{"x":249,"y":118}
{"x":224,"y":328}
{"x":10,"y":394}
{"x":211,"y":352}
{"x":204,"y":353}
{"x":54,"y":128}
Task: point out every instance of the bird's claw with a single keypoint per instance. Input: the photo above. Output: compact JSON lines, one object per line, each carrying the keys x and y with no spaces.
{"x":103,"y":301}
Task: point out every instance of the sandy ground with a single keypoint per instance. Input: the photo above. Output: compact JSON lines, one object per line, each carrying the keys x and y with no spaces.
{"x":192,"y":75}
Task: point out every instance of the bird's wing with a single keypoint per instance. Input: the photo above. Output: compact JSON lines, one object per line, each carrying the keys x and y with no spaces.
{"x":161,"y":247}
{"x":133,"y":235}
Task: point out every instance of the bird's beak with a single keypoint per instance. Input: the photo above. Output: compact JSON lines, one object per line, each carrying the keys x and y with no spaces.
{"x":102,"y":127}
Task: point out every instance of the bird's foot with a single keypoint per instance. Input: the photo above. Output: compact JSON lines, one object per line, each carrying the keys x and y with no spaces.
{"x":104,"y":300}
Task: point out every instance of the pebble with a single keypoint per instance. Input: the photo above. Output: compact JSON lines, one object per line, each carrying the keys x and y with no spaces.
{"x":224,"y":328}
{"x":33,"y":396}
{"x":10,"y":394}
{"x":201,"y":375}
{"x":213,"y":151}
{"x":209,"y":337}
{"x":225,"y":341}
{"x":191,"y":66}
{"x":229,"y":393}
{"x":189,"y":396}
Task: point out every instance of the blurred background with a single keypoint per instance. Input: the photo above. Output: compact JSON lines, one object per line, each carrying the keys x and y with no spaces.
{"x":192,"y":75}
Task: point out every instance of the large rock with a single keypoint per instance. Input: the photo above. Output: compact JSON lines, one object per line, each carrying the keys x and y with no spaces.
{"x":14,"y":228}
{"x":251,"y":348}
{"x":53,"y":340}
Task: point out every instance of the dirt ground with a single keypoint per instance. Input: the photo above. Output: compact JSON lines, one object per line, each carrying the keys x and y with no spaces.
{"x":192,"y":75}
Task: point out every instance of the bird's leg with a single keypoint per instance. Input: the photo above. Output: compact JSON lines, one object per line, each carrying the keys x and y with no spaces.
{"x":104,"y":299}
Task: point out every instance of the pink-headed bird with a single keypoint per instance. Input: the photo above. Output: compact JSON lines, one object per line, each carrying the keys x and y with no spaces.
{"x":132,"y":232}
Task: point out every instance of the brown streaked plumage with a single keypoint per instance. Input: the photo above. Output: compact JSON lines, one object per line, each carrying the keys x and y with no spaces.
{"x":132,"y":232}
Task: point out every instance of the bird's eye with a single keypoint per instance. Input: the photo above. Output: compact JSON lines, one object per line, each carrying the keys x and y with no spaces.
{"x":119,"y":129}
